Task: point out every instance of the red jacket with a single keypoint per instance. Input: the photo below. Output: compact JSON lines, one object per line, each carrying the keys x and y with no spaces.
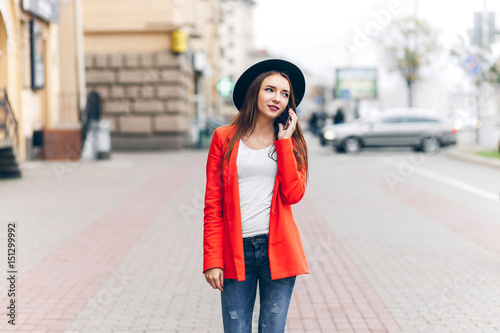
{"x":223,"y":240}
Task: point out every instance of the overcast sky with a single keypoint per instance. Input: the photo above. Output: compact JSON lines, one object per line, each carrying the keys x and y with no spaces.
{"x":311,"y":32}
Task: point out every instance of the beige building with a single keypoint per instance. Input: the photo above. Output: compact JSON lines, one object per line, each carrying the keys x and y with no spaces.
{"x":32,"y":71}
{"x":153,"y":63}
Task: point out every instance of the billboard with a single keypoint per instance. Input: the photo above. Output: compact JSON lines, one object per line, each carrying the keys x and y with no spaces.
{"x":352,"y":83}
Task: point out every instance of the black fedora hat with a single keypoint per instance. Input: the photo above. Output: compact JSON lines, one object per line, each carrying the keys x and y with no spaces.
{"x":292,"y":71}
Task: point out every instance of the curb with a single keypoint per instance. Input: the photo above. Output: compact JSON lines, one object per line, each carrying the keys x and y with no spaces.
{"x":475,"y":159}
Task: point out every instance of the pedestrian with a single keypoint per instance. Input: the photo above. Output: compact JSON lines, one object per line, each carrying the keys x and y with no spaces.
{"x":256,"y":169}
{"x":339,"y":116}
{"x":313,"y":123}
{"x":321,"y":119}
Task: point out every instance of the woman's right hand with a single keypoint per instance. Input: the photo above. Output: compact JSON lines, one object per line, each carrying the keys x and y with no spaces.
{"x":215,"y":277}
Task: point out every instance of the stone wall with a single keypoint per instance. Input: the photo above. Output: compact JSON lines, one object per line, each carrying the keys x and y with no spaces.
{"x":144,"y":96}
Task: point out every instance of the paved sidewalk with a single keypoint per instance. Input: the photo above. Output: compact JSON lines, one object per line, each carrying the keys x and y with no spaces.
{"x":117,"y":247}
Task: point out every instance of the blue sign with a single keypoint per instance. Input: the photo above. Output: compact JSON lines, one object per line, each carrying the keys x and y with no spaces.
{"x":345,"y":93}
{"x":472,"y":65}
{"x":319,"y":100}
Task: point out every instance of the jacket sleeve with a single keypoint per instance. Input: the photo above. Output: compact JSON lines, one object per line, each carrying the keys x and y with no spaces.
{"x":213,"y":221}
{"x":291,"y":181}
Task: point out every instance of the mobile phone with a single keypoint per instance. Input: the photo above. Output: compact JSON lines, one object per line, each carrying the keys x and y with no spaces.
{"x":283,"y":117}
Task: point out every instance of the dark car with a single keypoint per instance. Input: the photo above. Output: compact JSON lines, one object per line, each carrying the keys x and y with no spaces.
{"x":399,"y":127}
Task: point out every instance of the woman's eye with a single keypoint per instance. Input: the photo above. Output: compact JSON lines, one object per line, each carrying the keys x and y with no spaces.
{"x":285,"y":94}
{"x":269,"y":89}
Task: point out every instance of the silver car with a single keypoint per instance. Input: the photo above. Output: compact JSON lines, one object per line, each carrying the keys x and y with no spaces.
{"x":419,"y":130}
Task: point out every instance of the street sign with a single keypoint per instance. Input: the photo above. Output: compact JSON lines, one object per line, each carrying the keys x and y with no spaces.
{"x":225,"y":86}
{"x":47,"y":10}
{"x":472,"y":65}
{"x":319,"y":100}
{"x":345,"y":93}
{"x":179,"y":41}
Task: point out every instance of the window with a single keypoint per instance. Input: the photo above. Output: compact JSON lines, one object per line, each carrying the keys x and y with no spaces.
{"x":418,"y":120}
{"x":391,"y":120}
{"x":407,"y":119}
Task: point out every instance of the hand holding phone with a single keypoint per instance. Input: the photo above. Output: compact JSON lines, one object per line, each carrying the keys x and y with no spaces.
{"x":286,"y":124}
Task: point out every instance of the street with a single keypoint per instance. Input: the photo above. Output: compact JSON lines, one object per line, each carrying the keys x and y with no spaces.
{"x":396,"y":241}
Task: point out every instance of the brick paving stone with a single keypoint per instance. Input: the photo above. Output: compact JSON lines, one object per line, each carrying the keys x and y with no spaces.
{"x":121,"y":226}
{"x":348,"y":287}
{"x":425,"y":269}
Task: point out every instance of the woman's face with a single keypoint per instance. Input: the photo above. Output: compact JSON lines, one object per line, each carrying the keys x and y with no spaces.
{"x":273,"y":96}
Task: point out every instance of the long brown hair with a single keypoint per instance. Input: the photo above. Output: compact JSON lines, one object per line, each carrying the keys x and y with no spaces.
{"x":246,"y":120}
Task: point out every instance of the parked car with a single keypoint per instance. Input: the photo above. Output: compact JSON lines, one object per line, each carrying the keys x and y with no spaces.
{"x":420,"y":129}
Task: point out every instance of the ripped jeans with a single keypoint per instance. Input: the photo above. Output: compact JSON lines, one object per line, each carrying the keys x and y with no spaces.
{"x":238,"y":297}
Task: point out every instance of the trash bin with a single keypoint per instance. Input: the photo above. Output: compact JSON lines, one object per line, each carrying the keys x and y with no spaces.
{"x":98,"y":141}
{"x":103,"y":140}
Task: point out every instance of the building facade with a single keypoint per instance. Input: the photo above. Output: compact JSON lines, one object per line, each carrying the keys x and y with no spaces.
{"x":31,"y":67}
{"x":153,"y":64}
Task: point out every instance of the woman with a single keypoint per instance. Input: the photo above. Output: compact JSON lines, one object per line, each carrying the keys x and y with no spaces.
{"x":256,"y":169}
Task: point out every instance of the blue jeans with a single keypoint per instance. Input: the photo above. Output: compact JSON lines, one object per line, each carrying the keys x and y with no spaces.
{"x":238,"y":297}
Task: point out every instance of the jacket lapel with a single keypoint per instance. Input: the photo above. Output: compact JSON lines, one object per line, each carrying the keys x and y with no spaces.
{"x":233,"y":210}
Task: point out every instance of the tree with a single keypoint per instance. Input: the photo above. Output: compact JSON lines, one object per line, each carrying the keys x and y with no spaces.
{"x":495,"y":71}
{"x":407,"y":45}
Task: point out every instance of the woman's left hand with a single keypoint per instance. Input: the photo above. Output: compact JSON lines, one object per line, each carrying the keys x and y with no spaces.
{"x":287,"y":131}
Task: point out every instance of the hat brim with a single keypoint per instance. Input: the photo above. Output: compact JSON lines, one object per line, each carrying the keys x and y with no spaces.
{"x":292,"y":71}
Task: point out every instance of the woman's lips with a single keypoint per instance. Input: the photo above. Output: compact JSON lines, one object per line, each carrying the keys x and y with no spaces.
{"x":273,"y":107}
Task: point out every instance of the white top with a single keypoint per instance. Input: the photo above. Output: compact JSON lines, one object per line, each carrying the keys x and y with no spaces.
{"x":256,"y":177}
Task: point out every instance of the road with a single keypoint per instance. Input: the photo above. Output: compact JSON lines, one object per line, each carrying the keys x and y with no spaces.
{"x":396,"y":242}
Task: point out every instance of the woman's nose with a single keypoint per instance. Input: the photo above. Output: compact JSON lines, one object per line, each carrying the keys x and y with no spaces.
{"x":276,"y":97}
